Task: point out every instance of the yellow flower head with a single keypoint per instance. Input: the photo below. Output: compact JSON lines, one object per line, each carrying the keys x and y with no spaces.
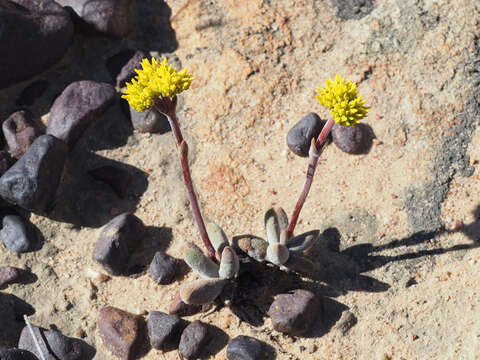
{"x":155,"y":79}
{"x":342,"y":99}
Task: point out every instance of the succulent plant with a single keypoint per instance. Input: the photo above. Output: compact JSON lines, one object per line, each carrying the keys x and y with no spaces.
{"x":214,"y":275}
{"x":279,"y":247}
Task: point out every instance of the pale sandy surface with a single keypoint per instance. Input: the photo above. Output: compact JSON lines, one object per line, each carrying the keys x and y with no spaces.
{"x":256,"y":66}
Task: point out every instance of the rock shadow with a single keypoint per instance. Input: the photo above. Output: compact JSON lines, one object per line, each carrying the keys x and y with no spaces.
{"x":155,"y":239}
{"x":12,"y":310}
{"x":219,"y":339}
{"x":83,"y":201}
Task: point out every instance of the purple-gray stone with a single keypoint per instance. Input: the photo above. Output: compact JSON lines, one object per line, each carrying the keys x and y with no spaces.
{"x":118,"y":239}
{"x":16,"y":354}
{"x":193,"y":340}
{"x":17,"y":235}
{"x":77,"y":107}
{"x":20,"y":132}
{"x":164,"y":330}
{"x":34,"y":35}
{"x":163,"y":268}
{"x":151,"y":121}
{"x":32,"y":181}
{"x":294,"y":313}
{"x":349,"y":139}
{"x":110,"y":17}
{"x":244,"y":348}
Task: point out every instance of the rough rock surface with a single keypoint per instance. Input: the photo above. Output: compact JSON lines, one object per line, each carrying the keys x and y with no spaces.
{"x":34,"y":36}
{"x":20,"y":132}
{"x":164,"y":330}
{"x":17,"y":234}
{"x":300,"y":136}
{"x":77,"y":107}
{"x":120,"y":331}
{"x":193,"y":340}
{"x":110,"y":17}
{"x":117,"y":241}
{"x":163,"y":268}
{"x":244,"y":348}
{"x":54,"y":344}
{"x":33,"y":180}
{"x":10,"y":274}
{"x":16,"y":354}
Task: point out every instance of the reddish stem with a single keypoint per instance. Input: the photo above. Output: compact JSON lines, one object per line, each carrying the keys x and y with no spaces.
{"x":315,"y":151}
{"x":183,"y":147}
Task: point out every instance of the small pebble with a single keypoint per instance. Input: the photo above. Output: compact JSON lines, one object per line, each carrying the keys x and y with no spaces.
{"x":120,"y":331}
{"x":54,"y":345}
{"x":294,"y":313}
{"x":193,"y":339}
{"x":163,"y":268}
{"x":150,"y":121}
{"x":164,"y":330}
{"x":300,"y":136}
{"x":350,"y":139}
{"x":244,"y":348}
{"x":96,"y":276}
{"x":10,"y":275}
{"x":18,"y":235}
{"x":346,"y":322}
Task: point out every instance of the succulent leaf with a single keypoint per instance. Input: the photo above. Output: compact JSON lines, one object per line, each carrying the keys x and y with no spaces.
{"x":229,"y":264}
{"x":303,"y":242}
{"x":254,"y":247}
{"x":197,"y":260}
{"x":277,"y":254}
{"x":276,"y":220}
{"x":201,"y":292}
{"x":217,"y":237}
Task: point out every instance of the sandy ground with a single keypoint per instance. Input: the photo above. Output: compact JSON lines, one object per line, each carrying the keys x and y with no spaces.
{"x":400,"y":249}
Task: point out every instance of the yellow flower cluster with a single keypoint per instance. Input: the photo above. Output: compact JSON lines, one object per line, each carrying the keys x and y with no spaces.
{"x":342,"y":99}
{"x":155,"y":79}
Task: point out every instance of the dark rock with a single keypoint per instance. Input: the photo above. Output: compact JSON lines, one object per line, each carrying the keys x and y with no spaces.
{"x":178,"y":307}
{"x":150,"y":121}
{"x":32,"y":182}
{"x":194,"y":338}
{"x":352,"y":9}
{"x":10,"y":275}
{"x":77,"y":107}
{"x":244,"y":348}
{"x":6,"y":161}
{"x":34,"y":35}
{"x":346,"y":322}
{"x":121,"y":332}
{"x":122,"y":65}
{"x":117,"y":241}
{"x":117,"y":178}
{"x":163,"y":268}
{"x":16,"y":354}
{"x":31,"y":93}
{"x":164,"y":330}
{"x":20,"y":132}
{"x":299,"y":137}
{"x":18,"y":235}
{"x":54,"y":345}
{"x":349,"y":139}
{"x":295,"y":312}
{"x":110,"y":17}
{"x":10,"y":325}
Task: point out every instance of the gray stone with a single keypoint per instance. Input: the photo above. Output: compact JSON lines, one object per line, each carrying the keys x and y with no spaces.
{"x":349,"y":139}
{"x":163,"y":268}
{"x":121,"y":332}
{"x":20,"y":132}
{"x":110,"y":17}
{"x":295,"y":312}
{"x":244,"y":348}
{"x":54,"y":345}
{"x":352,"y":9}
{"x":300,"y":136}
{"x":34,"y":35}
{"x":164,"y":330}
{"x":6,"y":161}
{"x":17,"y":235}
{"x":10,"y":275}
{"x":33,"y":180}
{"x":16,"y":354}
{"x":150,"y":121}
{"x":194,"y":338}
{"x":77,"y":107}
{"x":117,"y":241}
